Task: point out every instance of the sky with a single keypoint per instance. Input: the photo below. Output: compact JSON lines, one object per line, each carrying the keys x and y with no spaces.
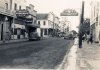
{"x":57,"y":6}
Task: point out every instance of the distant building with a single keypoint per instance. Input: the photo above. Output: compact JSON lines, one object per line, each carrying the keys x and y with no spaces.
{"x":48,"y":24}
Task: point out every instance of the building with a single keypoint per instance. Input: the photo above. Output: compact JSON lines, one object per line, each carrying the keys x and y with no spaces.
{"x":48,"y":24}
{"x":31,"y":20}
{"x":95,"y":20}
{"x":18,"y":26}
{"x":16,"y":17}
{"x":6,"y":19}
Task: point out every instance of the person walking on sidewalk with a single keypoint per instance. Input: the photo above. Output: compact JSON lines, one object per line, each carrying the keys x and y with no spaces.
{"x":91,"y":38}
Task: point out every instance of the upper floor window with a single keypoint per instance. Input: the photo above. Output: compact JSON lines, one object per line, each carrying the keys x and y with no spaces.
{"x":6,"y":5}
{"x":10,"y":4}
{"x":15,"y":8}
{"x":19,"y":7}
{"x":44,"y":23}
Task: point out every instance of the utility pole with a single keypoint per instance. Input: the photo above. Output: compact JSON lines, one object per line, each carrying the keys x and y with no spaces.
{"x":80,"y":26}
{"x":53,"y":33}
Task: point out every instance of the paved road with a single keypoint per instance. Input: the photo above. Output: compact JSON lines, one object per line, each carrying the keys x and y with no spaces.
{"x":43,"y":54}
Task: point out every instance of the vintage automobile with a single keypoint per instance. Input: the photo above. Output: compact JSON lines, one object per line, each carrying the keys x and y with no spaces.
{"x":34,"y":36}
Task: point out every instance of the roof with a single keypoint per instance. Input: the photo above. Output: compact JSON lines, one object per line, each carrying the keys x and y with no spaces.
{"x":41,"y":16}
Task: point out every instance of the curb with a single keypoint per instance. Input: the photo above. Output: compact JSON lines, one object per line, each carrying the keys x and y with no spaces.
{"x":12,"y":41}
{"x":69,"y":61}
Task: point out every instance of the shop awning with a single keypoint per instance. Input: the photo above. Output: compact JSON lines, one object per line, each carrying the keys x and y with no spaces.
{"x":33,"y":25}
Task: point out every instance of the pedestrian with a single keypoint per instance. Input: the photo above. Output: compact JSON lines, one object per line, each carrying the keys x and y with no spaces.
{"x":91,"y":38}
{"x":88,"y":38}
{"x":83,"y":37}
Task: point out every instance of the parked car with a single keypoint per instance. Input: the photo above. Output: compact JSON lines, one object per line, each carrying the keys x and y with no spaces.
{"x":69,"y":37}
{"x":34,"y":36}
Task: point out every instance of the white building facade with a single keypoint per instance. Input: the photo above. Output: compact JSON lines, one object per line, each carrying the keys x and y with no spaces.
{"x":48,"y":24}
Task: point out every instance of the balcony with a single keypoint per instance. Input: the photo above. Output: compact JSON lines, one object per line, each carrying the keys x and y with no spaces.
{"x":6,"y":12}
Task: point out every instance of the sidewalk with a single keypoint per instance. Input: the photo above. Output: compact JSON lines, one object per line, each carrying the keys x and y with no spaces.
{"x":88,"y":57}
{"x":69,"y":61}
{"x":13,"y":41}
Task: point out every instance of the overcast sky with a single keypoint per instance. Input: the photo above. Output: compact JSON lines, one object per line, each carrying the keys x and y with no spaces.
{"x":57,"y":6}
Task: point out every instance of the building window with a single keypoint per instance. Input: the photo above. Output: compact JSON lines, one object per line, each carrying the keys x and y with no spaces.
{"x":19,"y":7}
{"x":10,"y":4}
{"x":44,"y":23}
{"x":6,"y":5}
{"x":38,"y":22}
{"x":15,"y":8}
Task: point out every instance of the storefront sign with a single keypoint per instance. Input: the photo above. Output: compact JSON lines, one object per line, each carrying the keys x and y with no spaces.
{"x":22,"y":13}
{"x":69,"y":12}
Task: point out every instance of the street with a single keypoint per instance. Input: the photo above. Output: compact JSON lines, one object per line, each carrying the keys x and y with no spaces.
{"x":43,"y":54}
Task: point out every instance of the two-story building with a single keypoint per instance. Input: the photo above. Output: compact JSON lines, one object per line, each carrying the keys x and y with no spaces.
{"x":6,"y":19}
{"x":15,"y":17}
{"x":48,"y":24}
{"x":18,"y":25}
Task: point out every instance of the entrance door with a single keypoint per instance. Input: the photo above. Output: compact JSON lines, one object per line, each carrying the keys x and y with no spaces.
{"x":41,"y":32}
{"x":1,"y":32}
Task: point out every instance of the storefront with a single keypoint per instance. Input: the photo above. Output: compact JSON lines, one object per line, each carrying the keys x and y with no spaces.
{"x":18,"y":31}
{"x":5,"y":27}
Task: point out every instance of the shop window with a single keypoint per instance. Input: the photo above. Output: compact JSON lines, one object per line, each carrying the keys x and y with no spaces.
{"x":44,"y":23}
{"x":15,"y":31}
{"x":45,"y":31}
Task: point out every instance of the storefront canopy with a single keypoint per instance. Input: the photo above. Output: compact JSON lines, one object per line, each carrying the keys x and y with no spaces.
{"x":33,"y":25}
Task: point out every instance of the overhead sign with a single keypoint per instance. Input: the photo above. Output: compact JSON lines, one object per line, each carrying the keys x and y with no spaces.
{"x":29,"y":20}
{"x":22,"y":13}
{"x":69,"y":12}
